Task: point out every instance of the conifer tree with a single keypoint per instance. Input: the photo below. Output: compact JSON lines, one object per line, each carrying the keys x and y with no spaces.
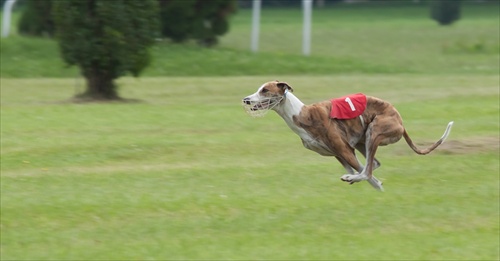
{"x":106,"y":39}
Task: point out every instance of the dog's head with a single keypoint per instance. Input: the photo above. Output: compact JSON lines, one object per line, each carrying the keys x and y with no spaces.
{"x":268,"y":96}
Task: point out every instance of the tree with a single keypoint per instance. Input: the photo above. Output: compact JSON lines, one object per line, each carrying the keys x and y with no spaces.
{"x":36,"y":18}
{"x":211,"y":20}
{"x":445,"y":12}
{"x":202,"y":20}
{"x":106,"y":39}
{"x":176,"y":18}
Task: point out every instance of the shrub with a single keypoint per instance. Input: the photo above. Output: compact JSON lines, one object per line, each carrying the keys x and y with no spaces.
{"x":445,"y":12}
{"x":106,"y":39}
{"x":202,"y":20}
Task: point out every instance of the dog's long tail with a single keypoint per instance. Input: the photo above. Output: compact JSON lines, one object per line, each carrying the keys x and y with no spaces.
{"x":431,"y":148}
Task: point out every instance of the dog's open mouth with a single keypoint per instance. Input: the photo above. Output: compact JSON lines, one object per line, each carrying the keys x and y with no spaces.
{"x":260,"y":108}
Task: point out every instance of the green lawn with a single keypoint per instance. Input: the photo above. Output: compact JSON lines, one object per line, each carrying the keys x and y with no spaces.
{"x":185,"y":174}
{"x":400,"y":38}
{"x":182,"y":173}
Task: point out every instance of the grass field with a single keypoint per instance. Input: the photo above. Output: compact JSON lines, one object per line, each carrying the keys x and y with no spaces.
{"x":184,"y":174}
{"x":187,"y":175}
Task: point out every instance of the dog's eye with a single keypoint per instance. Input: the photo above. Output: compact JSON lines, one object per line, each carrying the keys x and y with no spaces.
{"x":264,"y":90}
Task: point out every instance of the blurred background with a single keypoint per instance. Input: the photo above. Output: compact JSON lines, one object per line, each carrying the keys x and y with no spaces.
{"x":123,"y":136}
{"x":200,"y":38}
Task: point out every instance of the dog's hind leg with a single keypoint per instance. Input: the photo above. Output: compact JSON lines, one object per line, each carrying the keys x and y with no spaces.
{"x":377,"y":184}
{"x":381,"y":131}
{"x":361,"y":147}
{"x":371,"y":145}
{"x":371,"y":163}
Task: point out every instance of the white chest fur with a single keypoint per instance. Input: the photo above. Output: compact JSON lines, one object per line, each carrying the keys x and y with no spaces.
{"x":291,"y":107}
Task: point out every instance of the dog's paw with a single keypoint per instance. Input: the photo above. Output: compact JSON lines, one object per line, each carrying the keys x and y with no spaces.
{"x":352,"y":178}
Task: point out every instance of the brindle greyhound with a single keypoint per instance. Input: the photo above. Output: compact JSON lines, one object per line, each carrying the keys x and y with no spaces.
{"x":378,"y":125}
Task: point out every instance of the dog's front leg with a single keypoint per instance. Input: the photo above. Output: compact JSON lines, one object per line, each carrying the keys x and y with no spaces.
{"x":351,"y":178}
{"x":357,"y":177}
{"x":377,"y":184}
{"x":366,"y":173}
{"x":355,"y":170}
{"x":346,"y":166}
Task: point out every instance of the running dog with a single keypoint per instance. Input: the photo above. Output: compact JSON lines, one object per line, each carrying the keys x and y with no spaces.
{"x":339,"y":126}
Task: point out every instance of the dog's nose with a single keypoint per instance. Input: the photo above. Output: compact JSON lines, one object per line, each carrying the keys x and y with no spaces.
{"x":246,"y":101}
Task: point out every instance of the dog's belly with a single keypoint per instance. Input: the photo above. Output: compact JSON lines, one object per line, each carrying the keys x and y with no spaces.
{"x":317,"y":146}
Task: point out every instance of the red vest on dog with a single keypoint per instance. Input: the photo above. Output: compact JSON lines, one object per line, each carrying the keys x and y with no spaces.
{"x":348,"y":107}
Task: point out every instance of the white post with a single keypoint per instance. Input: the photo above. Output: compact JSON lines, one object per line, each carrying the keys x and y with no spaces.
{"x":254,"y":45}
{"x":7,"y":10}
{"x":306,"y":34}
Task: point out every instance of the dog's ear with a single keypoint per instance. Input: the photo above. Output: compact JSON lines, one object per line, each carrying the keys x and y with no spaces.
{"x":284,"y":86}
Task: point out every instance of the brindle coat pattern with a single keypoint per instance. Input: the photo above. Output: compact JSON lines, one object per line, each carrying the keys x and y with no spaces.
{"x":382,"y":125}
{"x":342,"y":136}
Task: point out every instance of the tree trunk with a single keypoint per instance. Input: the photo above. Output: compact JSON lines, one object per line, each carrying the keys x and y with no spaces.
{"x":100,"y":86}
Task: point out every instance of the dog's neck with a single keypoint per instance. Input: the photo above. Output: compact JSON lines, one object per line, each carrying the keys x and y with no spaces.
{"x":289,"y":107}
